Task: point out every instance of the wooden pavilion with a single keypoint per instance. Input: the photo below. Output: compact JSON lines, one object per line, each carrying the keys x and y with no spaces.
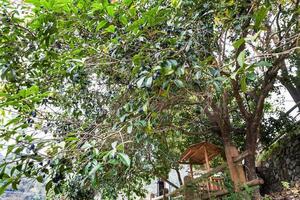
{"x":207,"y":185}
{"x":201,"y":154}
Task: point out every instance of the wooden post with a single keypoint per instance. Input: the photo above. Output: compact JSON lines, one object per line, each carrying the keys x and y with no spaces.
{"x":238,"y":165}
{"x":191,"y":171}
{"x":236,"y":170}
{"x":208,"y":169}
{"x":206,"y":159}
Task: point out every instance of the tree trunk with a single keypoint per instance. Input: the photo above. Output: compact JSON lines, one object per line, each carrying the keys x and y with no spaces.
{"x":250,"y":167}
{"x":251,"y":144}
{"x":292,"y":87}
{"x":251,"y":174}
{"x":294,"y":91}
{"x":236,"y":171}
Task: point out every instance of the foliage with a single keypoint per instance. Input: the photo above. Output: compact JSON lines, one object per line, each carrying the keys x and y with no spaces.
{"x":285,"y":184}
{"x":245,"y":193}
{"x":73,"y":189}
{"x":267,"y":197}
{"x":278,"y":144}
{"x":111,"y":93}
{"x":274,"y":127}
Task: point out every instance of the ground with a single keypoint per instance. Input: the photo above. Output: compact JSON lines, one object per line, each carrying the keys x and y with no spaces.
{"x":292,"y":193}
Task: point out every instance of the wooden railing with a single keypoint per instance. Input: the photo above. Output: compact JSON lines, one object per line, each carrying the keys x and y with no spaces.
{"x":225,"y":192}
{"x":216,"y":183}
{"x":200,"y":182}
{"x":207,"y":186}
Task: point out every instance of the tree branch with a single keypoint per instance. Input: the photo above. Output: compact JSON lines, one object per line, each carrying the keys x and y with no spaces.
{"x":239,"y":100}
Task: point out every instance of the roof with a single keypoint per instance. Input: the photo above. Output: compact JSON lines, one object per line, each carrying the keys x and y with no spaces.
{"x":195,"y":154}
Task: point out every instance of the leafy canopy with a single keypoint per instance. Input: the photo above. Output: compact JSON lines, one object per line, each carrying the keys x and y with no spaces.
{"x":104,"y":96}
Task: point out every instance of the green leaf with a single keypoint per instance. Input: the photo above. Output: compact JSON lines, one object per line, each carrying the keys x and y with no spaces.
{"x":173,"y":62}
{"x":264,"y":64}
{"x":156,"y":68}
{"x":48,"y":186}
{"x":110,"y":29}
{"x":101,"y":25}
{"x":189,"y":44}
{"x":19,"y":167}
{"x":57,"y":189}
{"x":12,"y":171}
{"x":127,"y":2}
{"x":259,"y":16}
{"x":198,"y":75}
{"x":94,"y":170}
{"x":123,"y":19}
{"x":97,"y":6}
{"x":132,"y":11}
{"x":140,"y":82}
{"x":9,"y":149}
{"x":180,"y":71}
{"x":149,"y":82}
{"x":120,"y":147}
{"x":14,"y":185}
{"x":241,"y":58}
{"x":145,"y":107}
{"x":34,"y":2}
{"x":179,"y":83}
{"x":236,"y":44}
{"x":33,"y":89}
{"x":13,"y":121}
{"x":18,"y":150}
{"x":129,"y":129}
{"x":86,"y":146}
{"x":39,"y":179}
{"x":123,"y":117}
{"x":113,"y":161}
{"x":110,"y":10}
{"x":243,"y":84}
{"x":217,"y":85}
{"x":220,"y":78}
{"x":114,"y":144}
{"x":214,"y":72}
{"x":124,"y":159}
{"x":3,"y":187}
{"x":2,"y":190}
{"x":4,"y":175}
{"x":168,"y":71}
{"x":68,"y":139}
{"x":137,"y":60}
{"x":251,"y":76}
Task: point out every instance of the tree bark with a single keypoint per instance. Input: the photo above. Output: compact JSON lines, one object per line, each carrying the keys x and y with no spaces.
{"x":293,"y":91}
{"x":292,"y":87}
{"x":220,"y":115}
{"x":251,"y":144}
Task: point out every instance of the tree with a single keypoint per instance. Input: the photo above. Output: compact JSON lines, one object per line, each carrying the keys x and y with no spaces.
{"x":124,"y":87}
{"x":290,"y":79}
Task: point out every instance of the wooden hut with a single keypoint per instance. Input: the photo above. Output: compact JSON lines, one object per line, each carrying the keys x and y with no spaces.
{"x":201,"y":154}
{"x":207,"y":185}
